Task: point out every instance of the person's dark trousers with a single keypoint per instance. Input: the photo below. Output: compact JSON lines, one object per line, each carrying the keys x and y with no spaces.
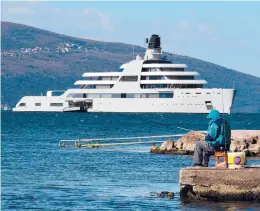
{"x":202,"y":153}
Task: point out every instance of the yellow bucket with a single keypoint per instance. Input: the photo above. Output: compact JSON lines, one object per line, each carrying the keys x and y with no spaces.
{"x":236,"y":160}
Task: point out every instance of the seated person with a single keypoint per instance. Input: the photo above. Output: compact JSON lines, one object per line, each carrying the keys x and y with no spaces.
{"x":218,"y":135}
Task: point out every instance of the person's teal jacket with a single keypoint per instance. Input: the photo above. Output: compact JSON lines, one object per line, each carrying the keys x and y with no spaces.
{"x":214,"y":136}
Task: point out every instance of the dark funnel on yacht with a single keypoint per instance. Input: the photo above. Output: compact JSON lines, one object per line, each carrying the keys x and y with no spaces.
{"x":154,"y":42}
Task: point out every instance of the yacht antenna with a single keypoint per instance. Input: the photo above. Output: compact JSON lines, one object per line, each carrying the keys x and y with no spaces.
{"x":145,"y":42}
{"x":133,"y":52}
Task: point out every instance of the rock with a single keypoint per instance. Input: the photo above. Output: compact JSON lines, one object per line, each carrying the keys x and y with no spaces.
{"x":254,"y":150}
{"x":165,"y":194}
{"x":187,"y":142}
{"x":247,"y":141}
{"x":173,"y":151}
{"x":168,"y":145}
{"x":157,"y":150}
{"x":238,"y":145}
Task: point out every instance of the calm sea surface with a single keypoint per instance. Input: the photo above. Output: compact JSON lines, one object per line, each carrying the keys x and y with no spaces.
{"x":39,"y":175}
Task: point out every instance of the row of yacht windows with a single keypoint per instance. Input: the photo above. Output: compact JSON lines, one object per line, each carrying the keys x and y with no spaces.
{"x":103,"y":78}
{"x":135,"y":78}
{"x":113,"y":78}
{"x":148,"y":86}
{"x":39,"y":104}
{"x":122,"y":95}
{"x":167,"y":95}
{"x":198,"y":93}
{"x":173,"y":86}
{"x":158,"y":69}
{"x":167,"y":77}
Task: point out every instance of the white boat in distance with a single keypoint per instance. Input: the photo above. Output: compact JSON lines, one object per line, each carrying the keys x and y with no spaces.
{"x":149,"y":84}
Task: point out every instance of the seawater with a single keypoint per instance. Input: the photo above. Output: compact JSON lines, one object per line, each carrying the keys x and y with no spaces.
{"x":39,"y":175}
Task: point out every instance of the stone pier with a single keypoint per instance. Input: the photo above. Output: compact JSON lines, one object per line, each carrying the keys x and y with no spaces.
{"x":200,"y":183}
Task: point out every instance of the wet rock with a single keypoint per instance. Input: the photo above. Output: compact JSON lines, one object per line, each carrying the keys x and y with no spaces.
{"x":158,"y":150}
{"x":166,"y":194}
{"x":173,"y":151}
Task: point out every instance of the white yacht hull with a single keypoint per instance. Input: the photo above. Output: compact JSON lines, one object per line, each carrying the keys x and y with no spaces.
{"x":202,"y":102}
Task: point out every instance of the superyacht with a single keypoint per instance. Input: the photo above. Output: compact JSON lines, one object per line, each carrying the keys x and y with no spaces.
{"x":148,"y":84}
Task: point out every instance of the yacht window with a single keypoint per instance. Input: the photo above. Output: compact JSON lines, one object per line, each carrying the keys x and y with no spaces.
{"x":178,"y":69}
{"x":116,"y":95}
{"x":155,"y":95}
{"x":106,"y":95}
{"x":123,"y":95}
{"x":75,"y":95}
{"x":114,"y":78}
{"x":37,"y":104}
{"x":93,"y":95}
{"x":154,"y":61}
{"x":56,"y":104}
{"x":130,"y":95}
{"x":129,"y":78}
{"x":166,"y":95}
{"x":22,"y":104}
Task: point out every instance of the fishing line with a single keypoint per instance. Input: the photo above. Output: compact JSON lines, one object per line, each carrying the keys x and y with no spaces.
{"x":150,"y":121}
{"x":157,"y":123}
{"x":160,"y":123}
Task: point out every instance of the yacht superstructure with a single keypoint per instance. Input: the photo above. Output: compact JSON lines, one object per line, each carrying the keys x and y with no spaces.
{"x":150,"y":84}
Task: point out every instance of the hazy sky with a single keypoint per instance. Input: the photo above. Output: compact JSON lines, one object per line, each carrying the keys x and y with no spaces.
{"x":225,"y":33}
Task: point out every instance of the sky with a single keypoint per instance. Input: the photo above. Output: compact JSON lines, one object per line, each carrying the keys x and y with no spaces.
{"x":224,"y":33}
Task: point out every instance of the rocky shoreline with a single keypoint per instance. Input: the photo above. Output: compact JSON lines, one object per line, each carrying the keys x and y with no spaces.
{"x":247,"y":141}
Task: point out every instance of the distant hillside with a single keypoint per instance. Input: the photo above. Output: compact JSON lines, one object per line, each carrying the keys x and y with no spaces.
{"x":35,"y":60}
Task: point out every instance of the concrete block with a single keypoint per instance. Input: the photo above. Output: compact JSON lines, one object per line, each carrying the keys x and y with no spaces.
{"x":200,"y":183}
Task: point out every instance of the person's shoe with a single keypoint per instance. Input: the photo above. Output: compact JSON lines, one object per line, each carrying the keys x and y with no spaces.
{"x":196,"y":164}
{"x":200,"y":165}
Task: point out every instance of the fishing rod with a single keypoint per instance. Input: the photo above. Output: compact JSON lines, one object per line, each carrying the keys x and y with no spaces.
{"x":182,"y":128}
